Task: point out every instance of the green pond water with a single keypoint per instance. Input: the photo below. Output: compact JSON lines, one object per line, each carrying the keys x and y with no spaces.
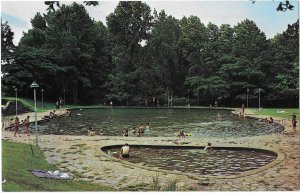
{"x":197,"y":161}
{"x":163,"y":122}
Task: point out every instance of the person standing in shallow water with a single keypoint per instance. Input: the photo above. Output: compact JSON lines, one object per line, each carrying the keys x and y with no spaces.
{"x":181,"y":136}
{"x":26,"y":125}
{"x":243,"y":110}
{"x":17,"y":125}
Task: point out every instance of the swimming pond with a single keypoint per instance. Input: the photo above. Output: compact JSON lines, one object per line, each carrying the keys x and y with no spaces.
{"x":194,"y":160}
{"x":163,"y":122}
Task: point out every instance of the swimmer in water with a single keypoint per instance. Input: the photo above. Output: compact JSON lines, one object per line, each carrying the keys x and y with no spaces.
{"x":147,"y":126}
{"x":125,"y":133}
{"x":91,"y":132}
{"x":208,"y":147}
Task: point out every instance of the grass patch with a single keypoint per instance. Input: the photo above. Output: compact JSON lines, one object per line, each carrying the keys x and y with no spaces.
{"x":156,"y":183}
{"x":171,"y":186}
{"x":47,"y":105}
{"x":285,"y":113}
{"x":17,"y":160}
{"x":30,"y":103}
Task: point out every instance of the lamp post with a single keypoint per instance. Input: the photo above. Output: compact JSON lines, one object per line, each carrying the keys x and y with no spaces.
{"x":188,"y":96}
{"x":247,"y":96}
{"x":64,"y":97}
{"x":259,"y":100}
{"x":34,"y":85}
{"x":16,"y":90}
{"x":42,"y":99}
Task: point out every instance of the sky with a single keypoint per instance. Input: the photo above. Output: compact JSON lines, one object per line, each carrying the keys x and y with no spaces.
{"x":263,"y":13}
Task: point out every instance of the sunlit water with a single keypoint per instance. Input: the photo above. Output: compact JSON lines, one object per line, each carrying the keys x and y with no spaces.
{"x":163,"y":122}
{"x":197,"y":161}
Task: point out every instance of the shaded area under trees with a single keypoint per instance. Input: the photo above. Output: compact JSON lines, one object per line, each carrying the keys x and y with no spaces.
{"x":141,"y":54}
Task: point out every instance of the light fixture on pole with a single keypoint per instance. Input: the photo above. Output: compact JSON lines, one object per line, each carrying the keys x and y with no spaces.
{"x":42,"y":99}
{"x":247,"y":97}
{"x":34,"y":85}
{"x":16,"y":90}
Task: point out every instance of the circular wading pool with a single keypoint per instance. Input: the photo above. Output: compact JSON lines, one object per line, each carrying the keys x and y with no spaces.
{"x":163,"y":123}
{"x":225,"y":161}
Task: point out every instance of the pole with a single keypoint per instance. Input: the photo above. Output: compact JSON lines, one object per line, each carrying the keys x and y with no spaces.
{"x":64,"y":97}
{"x":35,"y":115}
{"x":258,"y":100}
{"x":188,"y":96}
{"x":172,"y":98}
{"x":247,"y":97}
{"x":198,"y":94}
{"x":168,"y":97}
{"x":43,"y":99}
{"x":16,"y":102}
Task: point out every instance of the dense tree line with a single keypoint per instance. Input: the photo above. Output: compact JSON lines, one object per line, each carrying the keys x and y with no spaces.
{"x":142,"y":54}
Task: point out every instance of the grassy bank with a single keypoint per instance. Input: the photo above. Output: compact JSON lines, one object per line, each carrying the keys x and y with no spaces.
{"x":47,"y":105}
{"x":30,"y":103}
{"x":285,"y":113}
{"x":17,"y":159}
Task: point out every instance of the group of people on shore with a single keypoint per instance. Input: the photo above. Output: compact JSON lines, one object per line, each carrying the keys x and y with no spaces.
{"x":15,"y":124}
{"x":215,"y":106}
{"x":53,"y":114}
{"x":59,"y":103}
{"x":267,"y":121}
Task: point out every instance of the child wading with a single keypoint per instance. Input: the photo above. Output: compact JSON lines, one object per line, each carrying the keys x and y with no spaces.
{"x":17,"y":125}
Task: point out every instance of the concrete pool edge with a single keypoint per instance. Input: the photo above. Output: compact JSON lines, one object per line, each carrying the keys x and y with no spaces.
{"x":280,"y":157}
